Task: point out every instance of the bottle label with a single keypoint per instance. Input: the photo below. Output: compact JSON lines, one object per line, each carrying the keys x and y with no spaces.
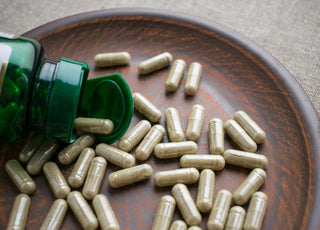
{"x":5,"y":52}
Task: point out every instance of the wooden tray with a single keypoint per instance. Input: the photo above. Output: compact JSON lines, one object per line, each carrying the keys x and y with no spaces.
{"x":237,"y":75}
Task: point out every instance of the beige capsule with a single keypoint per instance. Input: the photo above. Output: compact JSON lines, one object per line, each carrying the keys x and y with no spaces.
{"x":252,"y":128}
{"x":42,"y":155}
{"x":175,"y":149}
{"x":195,"y":123}
{"x":55,"y":216}
{"x":33,"y":143}
{"x":216,"y":136}
{"x":131,"y":138}
{"x":178,"y":225}
{"x":173,"y":123}
{"x":56,"y":180}
{"x":155,"y":63}
{"x":219,"y":212}
{"x":112,"y":59}
{"x":193,"y":78}
{"x":19,"y":212}
{"x":146,"y":108}
{"x":245,"y":159}
{"x":194,"y":228}
{"x":175,"y":75}
{"x":205,"y":190}
{"x":240,"y":136}
{"x":186,"y":204}
{"x":130,"y":175}
{"x":105,"y":214}
{"x":94,"y":178}
{"x":164,"y":213}
{"x":175,"y":176}
{"x":20,"y":177}
{"x":213,"y":162}
{"x":249,"y":186}
{"x":256,"y":211}
{"x":81,"y":167}
{"x":115,"y":155}
{"x":93,"y":125}
{"x":146,"y":147}
{"x":235,"y":218}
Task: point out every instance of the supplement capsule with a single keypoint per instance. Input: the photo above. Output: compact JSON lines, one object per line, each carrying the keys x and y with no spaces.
{"x":194,"y":228}
{"x":94,"y":178}
{"x":175,"y":149}
{"x":115,"y":156}
{"x":216,"y":136}
{"x":55,"y":216}
{"x":254,"y":130}
{"x":31,"y":147}
{"x":173,"y":123}
{"x":56,"y":180}
{"x":195,"y":123}
{"x":93,"y":125}
{"x":146,"y":108}
{"x":213,"y":162}
{"x":240,"y":136}
{"x":134,"y":136}
{"x":193,"y":79}
{"x":146,"y":147}
{"x":155,"y":63}
{"x":19,"y":212}
{"x":175,"y":176}
{"x":249,"y":186}
{"x":72,"y":151}
{"x":20,"y":177}
{"x":235,"y":218}
{"x":82,"y":210}
{"x":186,"y":204}
{"x":175,"y":75}
{"x":130,"y":175}
{"x":178,"y":225}
{"x":81,"y":167}
{"x":205,"y":190}
{"x":256,"y":211}
{"x":41,"y":156}
{"x":106,"y":216}
{"x":245,"y":159}
{"x":219,"y":211}
{"x":112,"y":59}
{"x":164,"y":213}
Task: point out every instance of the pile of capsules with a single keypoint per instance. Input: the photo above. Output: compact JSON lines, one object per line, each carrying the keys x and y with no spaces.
{"x":89,"y":169}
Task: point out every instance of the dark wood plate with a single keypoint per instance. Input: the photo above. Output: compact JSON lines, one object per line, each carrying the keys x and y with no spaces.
{"x":237,"y":75}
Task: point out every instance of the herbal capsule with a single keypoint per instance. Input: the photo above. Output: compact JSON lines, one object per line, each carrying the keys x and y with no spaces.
{"x":31,"y":147}
{"x":145,"y":107}
{"x":205,"y":190}
{"x":186,"y":204}
{"x":245,"y":159}
{"x":130,"y":175}
{"x":20,"y":177}
{"x":146,"y":147}
{"x":256,"y":211}
{"x":216,"y":136}
{"x":175,"y":75}
{"x":115,"y":156}
{"x":94,"y":178}
{"x":82,"y":210}
{"x":41,"y":156}
{"x":164,"y":213}
{"x":81,"y":167}
{"x":72,"y":151}
{"x":112,"y":59}
{"x":134,"y":136}
{"x":93,"y":125}
{"x":249,"y":186}
{"x":56,"y":180}
{"x":106,"y":216}
{"x":195,"y":123}
{"x":194,"y":228}
{"x":175,"y":176}
{"x":175,"y":149}
{"x":193,"y":78}
{"x":240,"y":136}
{"x":55,"y":216}
{"x":252,"y":128}
{"x":235,"y":218}
{"x":178,"y":225}
{"x":219,"y":211}
{"x":19,"y":212}
{"x":173,"y":123}
{"x":155,"y":63}
{"x":213,"y":162}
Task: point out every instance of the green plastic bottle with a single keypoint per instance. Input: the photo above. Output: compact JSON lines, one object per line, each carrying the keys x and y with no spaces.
{"x":44,"y":95}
